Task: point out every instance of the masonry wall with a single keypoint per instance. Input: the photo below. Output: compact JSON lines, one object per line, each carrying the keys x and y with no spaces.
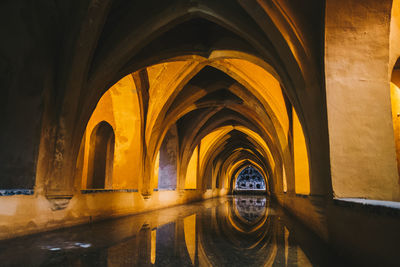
{"x":22,"y":215}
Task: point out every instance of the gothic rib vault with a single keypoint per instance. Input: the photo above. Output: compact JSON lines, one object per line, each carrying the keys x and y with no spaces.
{"x":179,"y":96}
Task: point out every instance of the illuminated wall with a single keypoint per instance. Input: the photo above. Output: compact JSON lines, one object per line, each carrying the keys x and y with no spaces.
{"x":156,"y":169}
{"x":120,"y":108}
{"x":394,"y":74}
{"x":284,"y":180}
{"x":302,"y":178}
{"x":395,"y":98}
{"x":191,"y":174}
{"x":358,"y":65}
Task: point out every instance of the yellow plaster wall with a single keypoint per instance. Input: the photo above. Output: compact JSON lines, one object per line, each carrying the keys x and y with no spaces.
{"x":156,"y":168}
{"x":395,"y":97}
{"x":284,"y":180}
{"x":103,"y":112}
{"x":301,"y":168}
{"x":191,"y":173}
{"x":394,"y":54}
{"x":119,"y":106}
{"x":128,"y":160}
{"x":362,"y":148}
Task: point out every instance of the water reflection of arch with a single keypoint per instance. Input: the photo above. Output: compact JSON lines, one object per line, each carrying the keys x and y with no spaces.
{"x":242,"y":207}
{"x":223,"y":229}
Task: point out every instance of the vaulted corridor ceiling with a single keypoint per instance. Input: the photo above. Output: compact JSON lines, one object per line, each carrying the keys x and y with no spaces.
{"x":116,"y":107}
{"x":230,"y":110}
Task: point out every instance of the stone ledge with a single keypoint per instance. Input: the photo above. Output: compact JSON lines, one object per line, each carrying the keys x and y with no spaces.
{"x":13,"y":192}
{"x":166,"y":189}
{"x":95,"y":191}
{"x":379,"y":207}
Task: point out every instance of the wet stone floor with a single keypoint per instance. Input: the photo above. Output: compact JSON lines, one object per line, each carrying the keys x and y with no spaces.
{"x":231,"y":231}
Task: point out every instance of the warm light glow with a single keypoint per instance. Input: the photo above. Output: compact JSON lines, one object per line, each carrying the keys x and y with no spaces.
{"x":156,"y":168}
{"x":266,"y":87}
{"x":191,"y":173}
{"x":164,"y":79}
{"x":395,"y":98}
{"x":119,"y":107}
{"x":208,"y":141}
{"x":301,"y":169}
{"x":153,"y":245}
{"x":190,"y":236}
{"x":259,"y":140}
{"x":284,"y":180}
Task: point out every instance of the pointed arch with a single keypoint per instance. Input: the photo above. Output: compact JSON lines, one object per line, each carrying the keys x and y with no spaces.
{"x":101,"y":156}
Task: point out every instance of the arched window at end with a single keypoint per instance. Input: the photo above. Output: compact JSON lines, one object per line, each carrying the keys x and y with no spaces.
{"x":101,"y":156}
{"x":250,"y":179}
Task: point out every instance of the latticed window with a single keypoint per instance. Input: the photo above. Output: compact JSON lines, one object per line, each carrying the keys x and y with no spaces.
{"x":250,"y":179}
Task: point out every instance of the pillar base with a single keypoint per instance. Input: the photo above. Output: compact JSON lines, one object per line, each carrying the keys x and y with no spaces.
{"x":59,"y":202}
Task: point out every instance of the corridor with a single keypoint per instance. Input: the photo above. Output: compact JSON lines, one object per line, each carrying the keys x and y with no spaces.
{"x":230,"y":231}
{"x":116,"y":115}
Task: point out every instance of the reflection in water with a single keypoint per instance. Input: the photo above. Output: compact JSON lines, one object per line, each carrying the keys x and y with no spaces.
{"x":235,"y":231}
{"x":153,"y":245}
{"x":250,"y":208}
{"x":189,"y":224}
